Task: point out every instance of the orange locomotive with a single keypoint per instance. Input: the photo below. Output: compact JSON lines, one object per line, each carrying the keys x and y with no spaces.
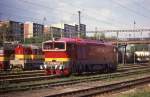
{"x":65,"y":56}
{"x":27,"y":57}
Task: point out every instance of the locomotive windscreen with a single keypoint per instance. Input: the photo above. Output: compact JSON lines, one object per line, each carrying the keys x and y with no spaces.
{"x":54,"y":46}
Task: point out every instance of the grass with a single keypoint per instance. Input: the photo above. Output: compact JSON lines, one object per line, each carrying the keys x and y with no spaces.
{"x":141,"y":93}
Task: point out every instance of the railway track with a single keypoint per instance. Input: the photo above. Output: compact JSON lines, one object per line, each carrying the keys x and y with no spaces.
{"x":40,"y":75}
{"x":99,"y":89}
{"x":21,"y":74}
{"x":69,"y":81}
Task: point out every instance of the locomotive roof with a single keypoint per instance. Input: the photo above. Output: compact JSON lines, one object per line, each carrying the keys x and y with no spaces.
{"x":80,"y":40}
{"x":30,"y":46}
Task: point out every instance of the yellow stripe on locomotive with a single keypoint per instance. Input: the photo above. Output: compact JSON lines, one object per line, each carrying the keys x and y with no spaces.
{"x":56,"y":59}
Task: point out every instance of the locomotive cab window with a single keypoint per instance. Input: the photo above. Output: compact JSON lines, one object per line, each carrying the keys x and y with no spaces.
{"x":59,"y":45}
{"x":54,"y":46}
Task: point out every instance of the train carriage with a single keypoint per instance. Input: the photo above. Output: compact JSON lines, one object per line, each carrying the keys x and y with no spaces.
{"x":65,"y":56}
{"x":142,"y":56}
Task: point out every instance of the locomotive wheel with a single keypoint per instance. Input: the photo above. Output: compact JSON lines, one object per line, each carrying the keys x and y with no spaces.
{"x":114,"y":68}
{"x":41,"y":67}
{"x":22,"y":67}
{"x":106,"y":69}
{"x":11,"y":66}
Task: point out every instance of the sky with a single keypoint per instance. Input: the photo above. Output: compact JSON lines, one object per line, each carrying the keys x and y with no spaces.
{"x":96,"y":14}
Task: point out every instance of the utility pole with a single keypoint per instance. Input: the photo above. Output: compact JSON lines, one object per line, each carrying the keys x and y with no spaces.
{"x":79,"y":24}
{"x":96,"y":35}
{"x":50,"y":30}
{"x":134,"y":39}
{"x":123,"y":56}
{"x":149,"y":48}
{"x":117,"y":47}
{"x":61,"y":30}
{"x":141,"y":36}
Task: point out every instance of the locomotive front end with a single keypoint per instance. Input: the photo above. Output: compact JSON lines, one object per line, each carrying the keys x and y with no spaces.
{"x":56,"y":58}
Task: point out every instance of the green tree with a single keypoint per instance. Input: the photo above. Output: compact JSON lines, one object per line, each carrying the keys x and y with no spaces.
{"x":4,"y":29}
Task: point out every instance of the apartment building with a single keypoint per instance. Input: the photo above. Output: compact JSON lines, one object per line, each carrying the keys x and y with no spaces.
{"x":33,"y":29}
{"x":11,"y":30}
{"x":71,"y":30}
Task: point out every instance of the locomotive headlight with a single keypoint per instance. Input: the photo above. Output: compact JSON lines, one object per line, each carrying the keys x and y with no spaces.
{"x":56,"y":66}
{"x":60,"y":67}
{"x":139,"y":59}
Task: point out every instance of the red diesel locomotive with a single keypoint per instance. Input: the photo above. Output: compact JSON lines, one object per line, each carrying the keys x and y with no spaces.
{"x":72,"y":55}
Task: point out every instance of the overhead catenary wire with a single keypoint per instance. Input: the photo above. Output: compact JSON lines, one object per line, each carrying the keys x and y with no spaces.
{"x":67,"y":12}
{"x":140,"y":5}
{"x":94,"y":18}
{"x":131,"y":10}
{"x":11,"y":13}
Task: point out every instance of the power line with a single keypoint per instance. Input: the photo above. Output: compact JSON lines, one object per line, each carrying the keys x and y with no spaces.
{"x":41,"y":5}
{"x":103,"y":21}
{"x":19,"y":16}
{"x":35,"y":4}
{"x":57,"y":11}
{"x":139,"y":4}
{"x":131,"y":10}
{"x":15,"y":9}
